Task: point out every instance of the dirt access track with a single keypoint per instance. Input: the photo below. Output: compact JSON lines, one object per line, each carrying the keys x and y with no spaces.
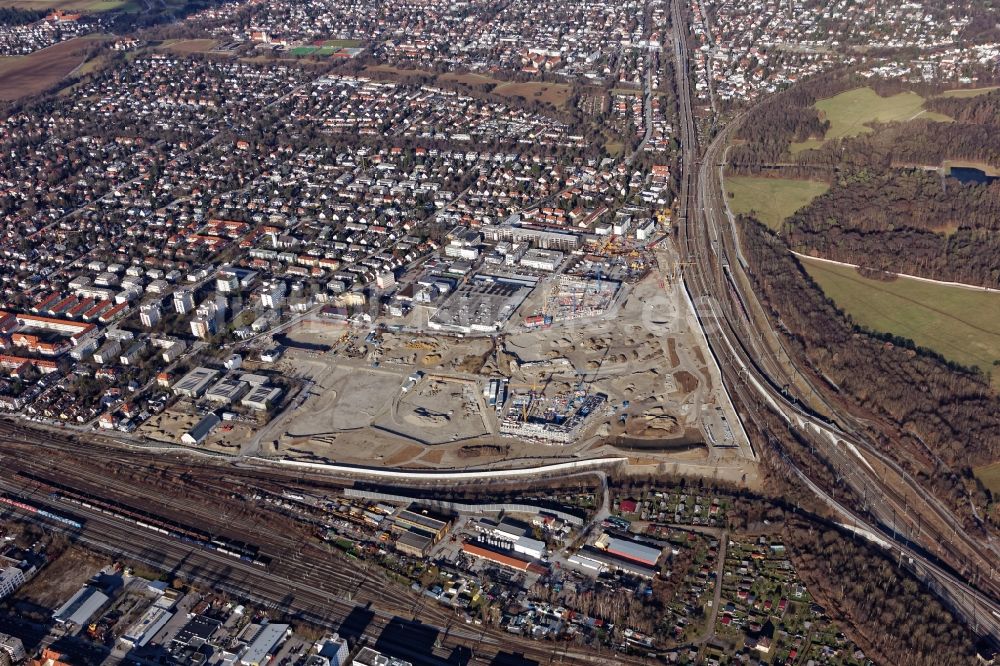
{"x":21,"y":76}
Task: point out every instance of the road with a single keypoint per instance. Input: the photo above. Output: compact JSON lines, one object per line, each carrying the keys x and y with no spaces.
{"x":303,"y":582}
{"x":761,"y":374}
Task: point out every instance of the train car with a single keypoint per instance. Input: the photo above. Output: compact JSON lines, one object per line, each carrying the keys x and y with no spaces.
{"x":17,"y":503}
{"x":30,"y":508}
{"x":175,"y":530}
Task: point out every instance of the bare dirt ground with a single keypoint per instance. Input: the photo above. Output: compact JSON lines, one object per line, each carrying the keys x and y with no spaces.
{"x":638,"y":357}
{"x":643,"y":355}
{"x":169,"y":425}
{"x":61,"y":578}
{"x":436,"y":411}
{"x":186,"y":47}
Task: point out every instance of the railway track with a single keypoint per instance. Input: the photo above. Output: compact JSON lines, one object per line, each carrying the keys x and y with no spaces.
{"x":915,"y":525}
{"x":304,"y":581}
{"x":327,"y":597}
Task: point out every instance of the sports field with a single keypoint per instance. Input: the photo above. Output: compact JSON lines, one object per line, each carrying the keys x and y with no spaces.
{"x":341,"y":43}
{"x":850,"y":112}
{"x":771,"y":200}
{"x":963,"y":325}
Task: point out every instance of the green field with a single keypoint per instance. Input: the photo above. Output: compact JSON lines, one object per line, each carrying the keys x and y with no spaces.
{"x":850,"y":112}
{"x":304,"y":50}
{"x":969,"y":92}
{"x":771,"y":199}
{"x":990,"y":476}
{"x":963,"y":325}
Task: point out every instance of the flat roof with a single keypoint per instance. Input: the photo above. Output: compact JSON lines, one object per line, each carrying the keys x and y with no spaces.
{"x":147,"y":626}
{"x":261,"y":394}
{"x":414,"y":540}
{"x":227,"y":389}
{"x":370,"y":657}
{"x":420,"y":519}
{"x":265,"y":641}
{"x":528,"y":542}
{"x":613,"y":562}
{"x":196,"y":380}
{"x":199,"y":627}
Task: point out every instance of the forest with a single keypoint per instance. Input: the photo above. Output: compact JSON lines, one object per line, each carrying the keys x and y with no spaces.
{"x":893,"y":617}
{"x":18,"y":16}
{"x":885,"y":210}
{"x":938,"y":432}
{"x":905,"y":221}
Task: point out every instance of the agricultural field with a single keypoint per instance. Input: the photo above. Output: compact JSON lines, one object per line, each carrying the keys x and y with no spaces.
{"x":82,"y":6}
{"x":850,"y":113}
{"x":990,"y":477}
{"x":772,"y":199}
{"x":21,"y":76}
{"x":963,"y":325}
{"x":555,"y":94}
{"x":468,"y":79}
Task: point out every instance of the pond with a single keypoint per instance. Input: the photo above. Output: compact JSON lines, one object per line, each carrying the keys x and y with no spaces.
{"x":966,"y":175}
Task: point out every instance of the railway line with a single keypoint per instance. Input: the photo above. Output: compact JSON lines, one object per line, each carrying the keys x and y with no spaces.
{"x":303,"y":581}
{"x":306,"y":581}
{"x":762,"y":375}
{"x":327,"y":596}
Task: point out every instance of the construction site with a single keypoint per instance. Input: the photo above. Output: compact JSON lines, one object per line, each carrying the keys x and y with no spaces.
{"x":557,"y":419}
{"x":569,"y":297}
{"x":612,"y":363}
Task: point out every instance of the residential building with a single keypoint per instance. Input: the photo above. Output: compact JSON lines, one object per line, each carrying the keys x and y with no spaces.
{"x":183,"y":301}
{"x":13,"y":646}
{"x":11,"y":578}
{"x":334,"y":649}
{"x":149,"y":315}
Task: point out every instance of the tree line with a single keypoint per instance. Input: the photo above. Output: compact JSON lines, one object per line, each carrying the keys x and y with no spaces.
{"x":941,"y":420}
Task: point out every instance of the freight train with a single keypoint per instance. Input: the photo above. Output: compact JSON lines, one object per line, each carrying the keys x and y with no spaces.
{"x":32,"y":509}
{"x":231,"y":548}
